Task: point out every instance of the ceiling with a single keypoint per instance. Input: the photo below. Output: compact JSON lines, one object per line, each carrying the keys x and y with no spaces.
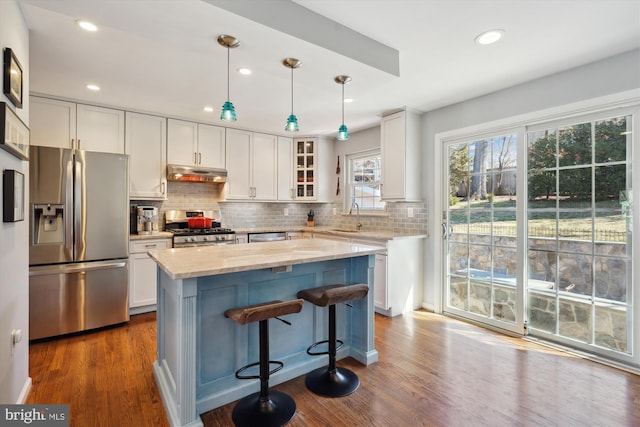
{"x":161,"y":56}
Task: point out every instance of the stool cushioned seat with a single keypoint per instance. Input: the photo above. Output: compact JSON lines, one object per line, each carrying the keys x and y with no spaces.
{"x":333,"y":294}
{"x":263,"y":311}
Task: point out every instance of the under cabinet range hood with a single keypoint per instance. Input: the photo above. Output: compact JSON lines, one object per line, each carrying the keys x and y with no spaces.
{"x":196,"y":174}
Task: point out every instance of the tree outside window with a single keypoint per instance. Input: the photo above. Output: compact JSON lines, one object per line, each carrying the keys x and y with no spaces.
{"x":364,"y":181}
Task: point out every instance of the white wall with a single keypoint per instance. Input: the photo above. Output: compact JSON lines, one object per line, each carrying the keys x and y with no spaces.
{"x":14,"y":249}
{"x":611,"y":76}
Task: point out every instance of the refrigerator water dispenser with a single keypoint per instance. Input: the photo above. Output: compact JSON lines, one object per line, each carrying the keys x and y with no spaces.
{"x":48,"y":224}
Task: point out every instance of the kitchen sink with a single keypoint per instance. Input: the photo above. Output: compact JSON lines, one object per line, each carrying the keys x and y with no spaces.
{"x":346,"y":230}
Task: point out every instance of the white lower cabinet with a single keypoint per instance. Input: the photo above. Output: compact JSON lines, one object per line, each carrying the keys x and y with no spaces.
{"x":143,"y":274}
{"x":241,"y":238}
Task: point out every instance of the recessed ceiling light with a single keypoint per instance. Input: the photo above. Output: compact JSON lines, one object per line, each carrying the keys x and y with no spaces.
{"x":244,"y":71}
{"x":93,"y":87}
{"x":348,"y":100}
{"x":489,"y":37}
{"x":86,"y":25}
{"x":208,"y":109}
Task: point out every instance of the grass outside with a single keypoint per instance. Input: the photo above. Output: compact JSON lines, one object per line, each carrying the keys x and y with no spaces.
{"x":575,"y":218}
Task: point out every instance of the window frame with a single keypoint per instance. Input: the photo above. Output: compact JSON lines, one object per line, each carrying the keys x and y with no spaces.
{"x":349,"y":182}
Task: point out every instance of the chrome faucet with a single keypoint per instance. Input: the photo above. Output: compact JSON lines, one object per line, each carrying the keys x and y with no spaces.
{"x":358,"y":223}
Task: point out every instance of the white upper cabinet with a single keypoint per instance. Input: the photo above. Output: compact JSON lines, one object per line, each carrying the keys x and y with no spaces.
{"x":211,"y":146}
{"x":251,"y":160}
{"x":65,"y":124}
{"x":265,"y":163}
{"x":285,"y":171}
{"x":146,"y":142}
{"x":400,"y":150}
{"x":194,"y":144}
{"x":52,"y":122}
{"x":99,"y":129}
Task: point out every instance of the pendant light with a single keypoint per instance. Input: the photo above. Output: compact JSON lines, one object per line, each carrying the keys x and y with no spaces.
{"x":228,"y":113}
{"x":292,"y":120}
{"x":343,"y":134}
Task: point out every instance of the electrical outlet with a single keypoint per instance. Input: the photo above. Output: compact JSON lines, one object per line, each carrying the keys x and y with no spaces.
{"x":286,"y":211}
{"x":410,"y":212}
{"x":335,"y":211}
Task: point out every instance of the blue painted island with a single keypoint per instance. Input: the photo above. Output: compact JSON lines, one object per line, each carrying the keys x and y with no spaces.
{"x":199,"y":350}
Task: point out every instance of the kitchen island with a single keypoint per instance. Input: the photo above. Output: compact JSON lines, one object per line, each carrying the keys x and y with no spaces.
{"x":199,"y":350}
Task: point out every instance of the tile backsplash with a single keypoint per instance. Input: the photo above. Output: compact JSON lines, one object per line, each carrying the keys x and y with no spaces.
{"x":238,"y":215}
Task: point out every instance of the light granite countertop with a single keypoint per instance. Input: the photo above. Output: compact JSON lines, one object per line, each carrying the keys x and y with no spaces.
{"x":354,"y":234}
{"x":184,"y":263}
{"x":159,"y":235}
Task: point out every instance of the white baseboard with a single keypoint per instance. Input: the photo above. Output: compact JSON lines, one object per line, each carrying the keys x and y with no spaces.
{"x":25,"y":391}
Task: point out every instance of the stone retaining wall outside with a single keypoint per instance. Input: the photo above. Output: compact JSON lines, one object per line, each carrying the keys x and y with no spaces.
{"x":573,"y":316}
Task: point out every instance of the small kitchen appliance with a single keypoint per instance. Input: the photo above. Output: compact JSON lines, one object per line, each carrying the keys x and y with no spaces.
{"x":147,"y":220}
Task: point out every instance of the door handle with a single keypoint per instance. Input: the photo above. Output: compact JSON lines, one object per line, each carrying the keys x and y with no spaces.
{"x":446,"y":231}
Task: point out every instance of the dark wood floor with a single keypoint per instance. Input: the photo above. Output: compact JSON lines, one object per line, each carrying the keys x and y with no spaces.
{"x":433,"y":371}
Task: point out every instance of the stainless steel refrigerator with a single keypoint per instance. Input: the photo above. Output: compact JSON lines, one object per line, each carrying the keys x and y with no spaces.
{"x":79,"y":231}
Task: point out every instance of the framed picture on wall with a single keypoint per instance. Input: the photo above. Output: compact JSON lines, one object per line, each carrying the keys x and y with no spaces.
{"x":12,"y":196}
{"x":12,"y":78}
{"x":14,"y":134}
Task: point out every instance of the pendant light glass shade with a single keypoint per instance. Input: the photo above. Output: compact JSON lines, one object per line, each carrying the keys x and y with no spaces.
{"x":292,"y":120}
{"x":343,"y":134}
{"x":228,"y":113}
{"x":292,"y":124}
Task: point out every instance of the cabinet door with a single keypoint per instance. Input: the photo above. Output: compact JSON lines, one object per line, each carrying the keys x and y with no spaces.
{"x":264,"y":169}
{"x":146,"y":147}
{"x":211,"y":146}
{"x":238,"y":160}
{"x":182,"y":142}
{"x":393,"y":156}
{"x":143,"y":272}
{"x":305,"y":169}
{"x":142,"y":289}
{"x":53,"y":123}
{"x":100,"y":129}
{"x":285,"y":168}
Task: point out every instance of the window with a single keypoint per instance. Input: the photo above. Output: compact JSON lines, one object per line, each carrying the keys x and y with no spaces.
{"x":364,"y":181}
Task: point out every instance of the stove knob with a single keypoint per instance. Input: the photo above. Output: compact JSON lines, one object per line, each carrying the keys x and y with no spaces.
{"x":190,"y":239}
{"x":205,"y":238}
{"x":218,"y":237}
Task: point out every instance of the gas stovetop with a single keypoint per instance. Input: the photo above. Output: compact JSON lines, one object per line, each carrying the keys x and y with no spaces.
{"x":200,"y":231}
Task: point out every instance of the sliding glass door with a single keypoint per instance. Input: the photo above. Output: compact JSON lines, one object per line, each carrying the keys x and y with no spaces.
{"x":579,"y":242}
{"x":481,"y":231}
{"x":538,"y":232}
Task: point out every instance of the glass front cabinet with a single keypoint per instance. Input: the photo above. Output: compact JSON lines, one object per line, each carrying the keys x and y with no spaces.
{"x":305,"y":169}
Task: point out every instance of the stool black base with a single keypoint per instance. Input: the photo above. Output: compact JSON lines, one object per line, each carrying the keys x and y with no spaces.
{"x":252,"y":411}
{"x":332,"y":383}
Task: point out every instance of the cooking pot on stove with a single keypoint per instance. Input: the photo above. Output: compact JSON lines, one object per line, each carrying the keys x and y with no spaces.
{"x":199,"y":222}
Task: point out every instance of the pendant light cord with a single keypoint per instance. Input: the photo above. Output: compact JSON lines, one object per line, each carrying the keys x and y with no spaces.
{"x":228,"y":80}
{"x":342,"y":103}
{"x":292,"y":90}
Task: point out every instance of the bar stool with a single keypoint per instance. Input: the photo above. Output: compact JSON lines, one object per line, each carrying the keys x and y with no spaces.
{"x":264,"y":408}
{"x":331,"y":381}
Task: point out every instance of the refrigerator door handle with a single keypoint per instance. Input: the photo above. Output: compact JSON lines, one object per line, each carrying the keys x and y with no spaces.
{"x":68,"y":205}
{"x":80,"y":213}
{"x":75,"y":268}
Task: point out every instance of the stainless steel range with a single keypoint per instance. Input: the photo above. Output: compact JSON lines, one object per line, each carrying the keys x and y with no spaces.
{"x":204,"y":230}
